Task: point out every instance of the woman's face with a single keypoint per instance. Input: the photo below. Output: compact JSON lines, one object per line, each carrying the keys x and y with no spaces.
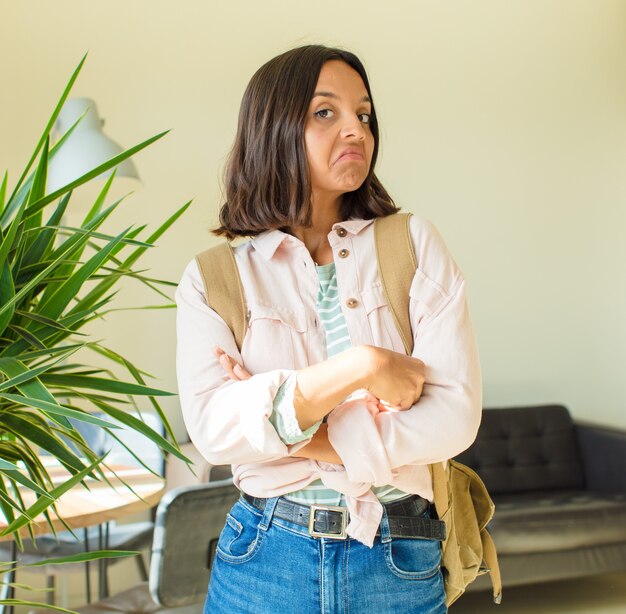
{"x":338,"y":140}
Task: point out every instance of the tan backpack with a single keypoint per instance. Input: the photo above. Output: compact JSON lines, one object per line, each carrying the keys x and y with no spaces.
{"x":461,"y":498}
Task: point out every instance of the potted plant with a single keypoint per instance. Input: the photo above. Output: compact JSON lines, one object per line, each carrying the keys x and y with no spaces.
{"x":54,"y":280}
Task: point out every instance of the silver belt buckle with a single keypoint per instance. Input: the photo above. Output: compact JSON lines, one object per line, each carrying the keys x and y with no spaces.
{"x":344,"y":522}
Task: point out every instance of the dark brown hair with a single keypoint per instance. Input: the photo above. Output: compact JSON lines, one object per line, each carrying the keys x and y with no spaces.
{"x":267,"y":175}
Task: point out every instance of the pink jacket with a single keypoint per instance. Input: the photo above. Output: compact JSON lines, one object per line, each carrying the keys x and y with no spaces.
{"x":228,"y":421}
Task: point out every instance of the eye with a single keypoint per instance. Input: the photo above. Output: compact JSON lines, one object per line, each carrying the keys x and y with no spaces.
{"x":324,"y":113}
{"x":365,"y":117}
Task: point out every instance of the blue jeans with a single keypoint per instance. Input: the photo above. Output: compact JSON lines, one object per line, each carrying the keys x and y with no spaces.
{"x":266,"y":565}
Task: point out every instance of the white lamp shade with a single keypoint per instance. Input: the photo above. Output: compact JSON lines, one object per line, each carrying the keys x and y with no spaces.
{"x":86,"y":148}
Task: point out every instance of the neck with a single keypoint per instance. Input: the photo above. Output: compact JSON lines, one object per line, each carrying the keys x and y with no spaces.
{"x":325,"y":213}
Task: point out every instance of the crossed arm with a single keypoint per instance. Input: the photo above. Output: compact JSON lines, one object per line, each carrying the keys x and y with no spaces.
{"x":394,"y":379}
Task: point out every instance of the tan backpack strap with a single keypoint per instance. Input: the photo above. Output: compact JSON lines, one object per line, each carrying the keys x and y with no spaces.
{"x":491,"y":560}
{"x":396,"y":264}
{"x":440,"y":488}
{"x":223,"y":289}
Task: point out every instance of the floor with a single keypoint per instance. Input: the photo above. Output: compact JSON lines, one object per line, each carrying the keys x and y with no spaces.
{"x":600,"y":595}
{"x":70,"y":587}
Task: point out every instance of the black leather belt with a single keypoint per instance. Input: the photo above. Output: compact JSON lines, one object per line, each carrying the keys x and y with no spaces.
{"x":404,"y":516}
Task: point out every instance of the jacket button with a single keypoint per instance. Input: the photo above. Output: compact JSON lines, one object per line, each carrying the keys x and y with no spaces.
{"x":342,"y":232}
{"x":352,"y":303}
{"x":344,"y":253}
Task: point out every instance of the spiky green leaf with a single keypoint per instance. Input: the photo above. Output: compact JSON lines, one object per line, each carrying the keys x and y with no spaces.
{"x":99,"y":383}
{"x":50,"y":124}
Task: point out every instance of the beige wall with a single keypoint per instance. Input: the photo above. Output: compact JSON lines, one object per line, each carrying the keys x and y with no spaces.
{"x":504,"y":122}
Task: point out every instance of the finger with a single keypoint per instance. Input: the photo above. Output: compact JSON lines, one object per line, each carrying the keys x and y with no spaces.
{"x":389,"y":409}
{"x":241,"y":372}
{"x":404,"y":405}
{"x":226,"y":377}
{"x":234,"y":369}
{"x":227,"y":365}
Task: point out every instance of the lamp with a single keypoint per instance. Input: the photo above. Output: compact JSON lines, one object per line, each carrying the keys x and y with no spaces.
{"x":86,"y":148}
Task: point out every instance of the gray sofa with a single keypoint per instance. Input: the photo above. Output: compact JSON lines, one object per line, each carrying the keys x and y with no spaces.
{"x":560,"y":493}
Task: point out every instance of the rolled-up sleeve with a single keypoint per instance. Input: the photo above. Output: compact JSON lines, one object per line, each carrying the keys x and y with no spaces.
{"x":227,"y":421}
{"x":445,"y":420}
{"x":284,"y":415}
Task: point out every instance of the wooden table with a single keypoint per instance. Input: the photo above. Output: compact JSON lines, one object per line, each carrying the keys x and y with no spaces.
{"x":130,"y":489}
{"x":100,"y":502}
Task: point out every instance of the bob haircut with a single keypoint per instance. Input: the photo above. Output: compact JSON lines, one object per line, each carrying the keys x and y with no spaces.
{"x":267,"y":180}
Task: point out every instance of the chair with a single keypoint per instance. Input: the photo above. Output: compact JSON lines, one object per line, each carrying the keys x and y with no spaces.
{"x":113,"y":536}
{"x":135,"y":535}
{"x":188,"y":522}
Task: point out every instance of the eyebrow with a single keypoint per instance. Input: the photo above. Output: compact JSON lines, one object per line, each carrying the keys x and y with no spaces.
{"x":332,"y":95}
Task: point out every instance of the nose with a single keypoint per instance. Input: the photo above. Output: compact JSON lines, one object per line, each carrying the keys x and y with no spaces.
{"x":353,"y":128}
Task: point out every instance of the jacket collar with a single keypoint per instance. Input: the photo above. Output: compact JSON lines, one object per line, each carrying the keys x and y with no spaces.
{"x":268,"y":242}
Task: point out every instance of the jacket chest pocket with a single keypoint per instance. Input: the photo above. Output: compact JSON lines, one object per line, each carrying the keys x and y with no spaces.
{"x":380,"y":320}
{"x":426,"y":296}
{"x":272,"y":338}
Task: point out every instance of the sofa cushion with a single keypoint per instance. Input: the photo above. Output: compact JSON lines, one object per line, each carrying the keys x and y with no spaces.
{"x":546,"y":522}
{"x":526,"y":449}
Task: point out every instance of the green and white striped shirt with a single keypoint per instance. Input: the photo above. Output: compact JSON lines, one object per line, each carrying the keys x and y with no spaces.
{"x":283,"y":416}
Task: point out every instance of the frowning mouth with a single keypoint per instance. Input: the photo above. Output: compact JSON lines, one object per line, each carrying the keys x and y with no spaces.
{"x":350,"y":154}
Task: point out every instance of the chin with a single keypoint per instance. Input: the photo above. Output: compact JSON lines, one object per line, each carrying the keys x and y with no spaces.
{"x":352,"y":184}
{"x":352,"y":187}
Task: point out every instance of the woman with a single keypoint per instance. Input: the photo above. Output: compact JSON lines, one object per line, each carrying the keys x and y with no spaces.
{"x":329,"y":426}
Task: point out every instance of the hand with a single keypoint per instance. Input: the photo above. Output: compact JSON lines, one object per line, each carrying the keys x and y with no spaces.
{"x":233,"y":369}
{"x":395,"y":379}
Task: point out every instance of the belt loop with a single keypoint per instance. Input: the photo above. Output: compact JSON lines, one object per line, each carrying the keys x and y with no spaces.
{"x":268,"y":512}
{"x":385,"y":533}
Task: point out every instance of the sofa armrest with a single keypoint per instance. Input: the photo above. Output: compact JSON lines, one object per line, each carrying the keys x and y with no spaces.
{"x":603,"y":453}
